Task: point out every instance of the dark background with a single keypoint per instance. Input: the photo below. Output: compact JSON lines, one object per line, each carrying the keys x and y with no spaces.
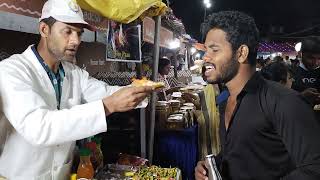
{"x":276,"y":19}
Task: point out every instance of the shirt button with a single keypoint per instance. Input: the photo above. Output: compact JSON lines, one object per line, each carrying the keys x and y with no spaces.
{"x":55,"y":168}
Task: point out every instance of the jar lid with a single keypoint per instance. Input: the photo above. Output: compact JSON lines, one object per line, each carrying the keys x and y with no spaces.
{"x":176,"y":94}
{"x":175,"y":118}
{"x":188,"y":104}
{"x":186,"y":108}
{"x":162,"y":103}
{"x":176,"y":114}
{"x":174,"y":101}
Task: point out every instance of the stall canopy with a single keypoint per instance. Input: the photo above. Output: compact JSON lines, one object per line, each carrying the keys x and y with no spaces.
{"x":124,"y":11}
{"x":32,"y":8}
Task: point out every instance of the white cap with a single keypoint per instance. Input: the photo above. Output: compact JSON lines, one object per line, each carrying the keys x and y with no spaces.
{"x":66,"y":11}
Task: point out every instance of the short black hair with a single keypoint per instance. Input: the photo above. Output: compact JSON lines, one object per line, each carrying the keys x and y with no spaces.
{"x":164,"y":61}
{"x":261,"y":62}
{"x":311,"y":44}
{"x":49,"y":21}
{"x":240,"y":29}
{"x":278,"y":59}
{"x":276,"y":71}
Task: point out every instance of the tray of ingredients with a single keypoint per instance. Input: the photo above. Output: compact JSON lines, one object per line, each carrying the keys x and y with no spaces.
{"x":157,"y":173}
{"x":129,"y":167}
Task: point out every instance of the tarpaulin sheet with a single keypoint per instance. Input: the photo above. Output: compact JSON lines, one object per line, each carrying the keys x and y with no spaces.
{"x":124,"y":11}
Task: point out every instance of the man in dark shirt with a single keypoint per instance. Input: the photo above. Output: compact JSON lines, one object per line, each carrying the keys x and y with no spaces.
{"x":307,"y":74}
{"x":268,"y":132}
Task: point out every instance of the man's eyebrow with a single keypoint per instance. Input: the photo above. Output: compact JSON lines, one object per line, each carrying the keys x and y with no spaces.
{"x":74,"y":28}
{"x":213,"y":45}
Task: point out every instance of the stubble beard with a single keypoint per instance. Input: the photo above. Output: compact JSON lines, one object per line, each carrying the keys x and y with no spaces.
{"x":227,"y":72}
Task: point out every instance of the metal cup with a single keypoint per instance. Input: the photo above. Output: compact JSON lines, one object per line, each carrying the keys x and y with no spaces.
{"x":213,"y":173}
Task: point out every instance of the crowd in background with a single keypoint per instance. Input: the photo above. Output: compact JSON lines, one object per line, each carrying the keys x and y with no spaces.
{"x":301,"y":74}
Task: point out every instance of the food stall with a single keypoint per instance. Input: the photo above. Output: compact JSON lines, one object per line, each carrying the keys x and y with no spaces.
{"x":173,"y":121}
{"x":121,"y":169}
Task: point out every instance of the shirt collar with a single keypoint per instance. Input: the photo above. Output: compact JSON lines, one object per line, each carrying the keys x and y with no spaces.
{"x":44,"y":65}
{"x":253,"y":84}
{"x":250,"y":87}
{"x":303,"y":66}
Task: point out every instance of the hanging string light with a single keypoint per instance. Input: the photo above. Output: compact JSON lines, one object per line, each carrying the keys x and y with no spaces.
{"x":276,"y":47}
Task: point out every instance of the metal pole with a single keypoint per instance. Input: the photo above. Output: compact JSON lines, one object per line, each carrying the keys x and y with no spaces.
{"x":143,"y":151}
{"x":189,"y":57}
{"x":202,"y":24}
{"x":154,"y":77}
{"x":139,"y":70}
{"x":175,"y":64}
{"x":142,"y":111}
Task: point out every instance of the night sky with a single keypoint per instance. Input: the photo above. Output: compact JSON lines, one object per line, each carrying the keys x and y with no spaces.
{"x":275,"y":18}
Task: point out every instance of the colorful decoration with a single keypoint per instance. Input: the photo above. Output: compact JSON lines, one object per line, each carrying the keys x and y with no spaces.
{"x":276,"y":47}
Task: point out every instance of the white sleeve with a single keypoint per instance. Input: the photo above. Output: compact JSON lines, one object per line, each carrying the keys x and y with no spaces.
{"x":93,"y":89}
{"x":33,"y":116}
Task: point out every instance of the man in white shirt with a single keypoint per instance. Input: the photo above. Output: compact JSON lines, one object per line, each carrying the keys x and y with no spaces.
{"x":48,"y":103}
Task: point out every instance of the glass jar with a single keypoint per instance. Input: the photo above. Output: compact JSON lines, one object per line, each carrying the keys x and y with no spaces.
{"x":191,"y":117}
{"x":175,"y":122}
{"x":162,"y":113}
{"x":98,"y":153}
{"x":185,"y":118}
{"x":175,"y":106}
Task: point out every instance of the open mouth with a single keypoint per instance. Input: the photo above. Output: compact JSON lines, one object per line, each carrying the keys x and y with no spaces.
{"x":210,"y":66}
{"x":71,"y":51}
{"x":209,"y":69}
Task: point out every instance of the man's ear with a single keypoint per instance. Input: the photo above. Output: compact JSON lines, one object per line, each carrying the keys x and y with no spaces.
{"x":44,"y":29}
{"x":242,"y":54}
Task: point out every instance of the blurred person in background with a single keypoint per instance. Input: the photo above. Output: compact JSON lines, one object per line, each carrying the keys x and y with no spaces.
{"x":260,"y":64}
{"x":287,"y":60}
{"x":164,"y":69}
{"x":278,"y":59}
{"x":278,"y":72}
{"x":268,"y":61}
{"x":307,"y":74}
{"x":294,"y":63}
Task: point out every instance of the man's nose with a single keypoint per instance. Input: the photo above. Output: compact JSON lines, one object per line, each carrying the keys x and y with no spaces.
{"x":75,"y":39}
{"x":206,"y":57}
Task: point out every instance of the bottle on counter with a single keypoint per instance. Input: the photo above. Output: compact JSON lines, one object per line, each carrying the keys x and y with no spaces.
{"x":162,"y":113}
{"x":213,"y":173}
{"x":98,"y":153}
{"x":85,"y":168}
{"x":73,"y":176}
{"x":92,"y":146}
